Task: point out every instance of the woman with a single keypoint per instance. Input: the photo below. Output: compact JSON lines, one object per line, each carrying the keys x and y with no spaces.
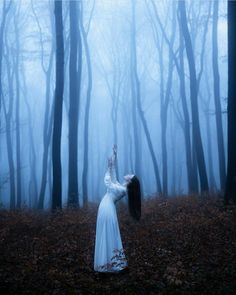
{"x":109,"y":254}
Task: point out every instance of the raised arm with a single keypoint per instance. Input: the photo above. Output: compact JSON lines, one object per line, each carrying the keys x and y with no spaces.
{"x":110,"y":176}
{"x":111,"y":181}
{"x":114,"y":162}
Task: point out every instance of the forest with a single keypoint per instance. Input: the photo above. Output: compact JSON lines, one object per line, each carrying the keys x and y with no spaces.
{"x":155,"y":78}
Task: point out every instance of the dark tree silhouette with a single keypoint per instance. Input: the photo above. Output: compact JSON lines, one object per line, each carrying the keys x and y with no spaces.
{"x":5,"y":9}
{"x":47,"y":132}
{"x":74,"y":92}
{"x":8,"y":116}
{"x":165,"y":99}
{"x":87,"y":106}
{"x":48,"y":111}
{"x":135,"y":85}
{"x":137,"y":148}
{"x":216,"y":81}
{"x":165,"y":93}
{"x":57,"y":125}
{"x":185,"y":123}
{"x":192,"y":174}
{"x":230,"y":193}
{"x":206,"y":100}
{"x":33,"y":187}
{"x":17,"y":110}
{"x":197,"y":140}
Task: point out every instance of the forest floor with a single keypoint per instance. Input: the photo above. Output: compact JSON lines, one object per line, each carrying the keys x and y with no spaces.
{"x":185,"y":245}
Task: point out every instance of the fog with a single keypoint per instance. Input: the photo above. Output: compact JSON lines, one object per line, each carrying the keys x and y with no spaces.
{"x":136,"y":102}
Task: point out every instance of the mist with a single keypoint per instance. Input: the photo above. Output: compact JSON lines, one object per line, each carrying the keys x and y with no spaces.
{"x":138,"y":82}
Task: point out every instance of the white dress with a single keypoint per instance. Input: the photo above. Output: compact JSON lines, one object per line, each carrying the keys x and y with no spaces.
{"x":109,"y":254}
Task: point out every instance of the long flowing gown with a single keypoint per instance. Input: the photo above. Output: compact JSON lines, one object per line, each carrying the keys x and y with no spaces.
{"x":109,"y":254}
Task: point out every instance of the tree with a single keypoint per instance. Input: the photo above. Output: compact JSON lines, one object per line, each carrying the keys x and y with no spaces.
{"x":48,"y":110}
{"x":135,"y":89}
{"x":5,"y":9}
{"x":230,"y":192}
{"x":191,"y":172}
{"x":8,"y":116}
{"x":47,"y":132}
{"x":179,"y":64}
{"x":198,"y":147}
{"x":216,"y":81}
{"x":33,"y":188}
{"x":17,"y":110}
{"x":57,"y":125}
{"x":165,"y":93}
{"x":165,"y":99}
{"x":87,"y":106}
{"x":133,"y":65}
{"x":74,"y":92}
{"x":206,"y":100}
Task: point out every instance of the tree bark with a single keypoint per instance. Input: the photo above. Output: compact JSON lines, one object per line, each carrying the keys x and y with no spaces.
{"x":191,"y":172}
{"x":73,"y":192}
{"x":192,"y":175}
{"x":57,"y":125}
{"x":137,"y":96}
{"x":216,"y":80}
{"x":33,"y":188}
{"x":17,"y":110}
{"x":5,"y":10}
{"x":209,"y":152}
{"x":136,"y":133}
{"x":230,"y":192}
{"x":48,"y":114}
{"x":47,"y":133}
{"x":194,"y":99}
{"x":87,"y":110}
{"x":165,"y":99}
{"x":207,"y":101}
{"x":8,"y":117}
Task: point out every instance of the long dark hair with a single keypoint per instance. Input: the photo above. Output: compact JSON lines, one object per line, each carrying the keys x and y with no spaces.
{"x":134,"y":197}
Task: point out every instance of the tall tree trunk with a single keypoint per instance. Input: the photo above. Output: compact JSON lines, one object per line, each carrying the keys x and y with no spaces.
{"x":47,"y":133}
{"x":136,"y":91}
{"x":230,"y":193}
{"x":194,"y":98}
{"x":165,"y":99}
{"x":33,"y":188}
{"x":57,"y":125}
{"x":191,"y":172}
{"x":50,"y":181}
{"x":8,"y":117}
{"x":219,"y":127}
{"x":48,"y":114}
{"x":87,"y":109}
{"x":128,"y":163}
{"x":5,"y":8}
{"x":18,"y":135}
{"x":114,"y":112}
{"x":209,"y":152}
{"x":212,"y":181}
{"x":173,"y":154}
{"x":136,"y":133}
{"x":192,"y":175}
{"x":10,"y":157}
{"x":74,"y":90}
{"x":114,"y":92}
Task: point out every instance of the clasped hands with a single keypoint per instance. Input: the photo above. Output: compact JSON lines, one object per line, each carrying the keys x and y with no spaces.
{"x":112,"y":159}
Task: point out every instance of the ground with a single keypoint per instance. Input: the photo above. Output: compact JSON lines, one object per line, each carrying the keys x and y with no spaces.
{"x":184,"y":245}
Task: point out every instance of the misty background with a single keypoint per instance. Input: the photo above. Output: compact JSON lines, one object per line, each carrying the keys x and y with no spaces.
{"x":134,"y":59}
